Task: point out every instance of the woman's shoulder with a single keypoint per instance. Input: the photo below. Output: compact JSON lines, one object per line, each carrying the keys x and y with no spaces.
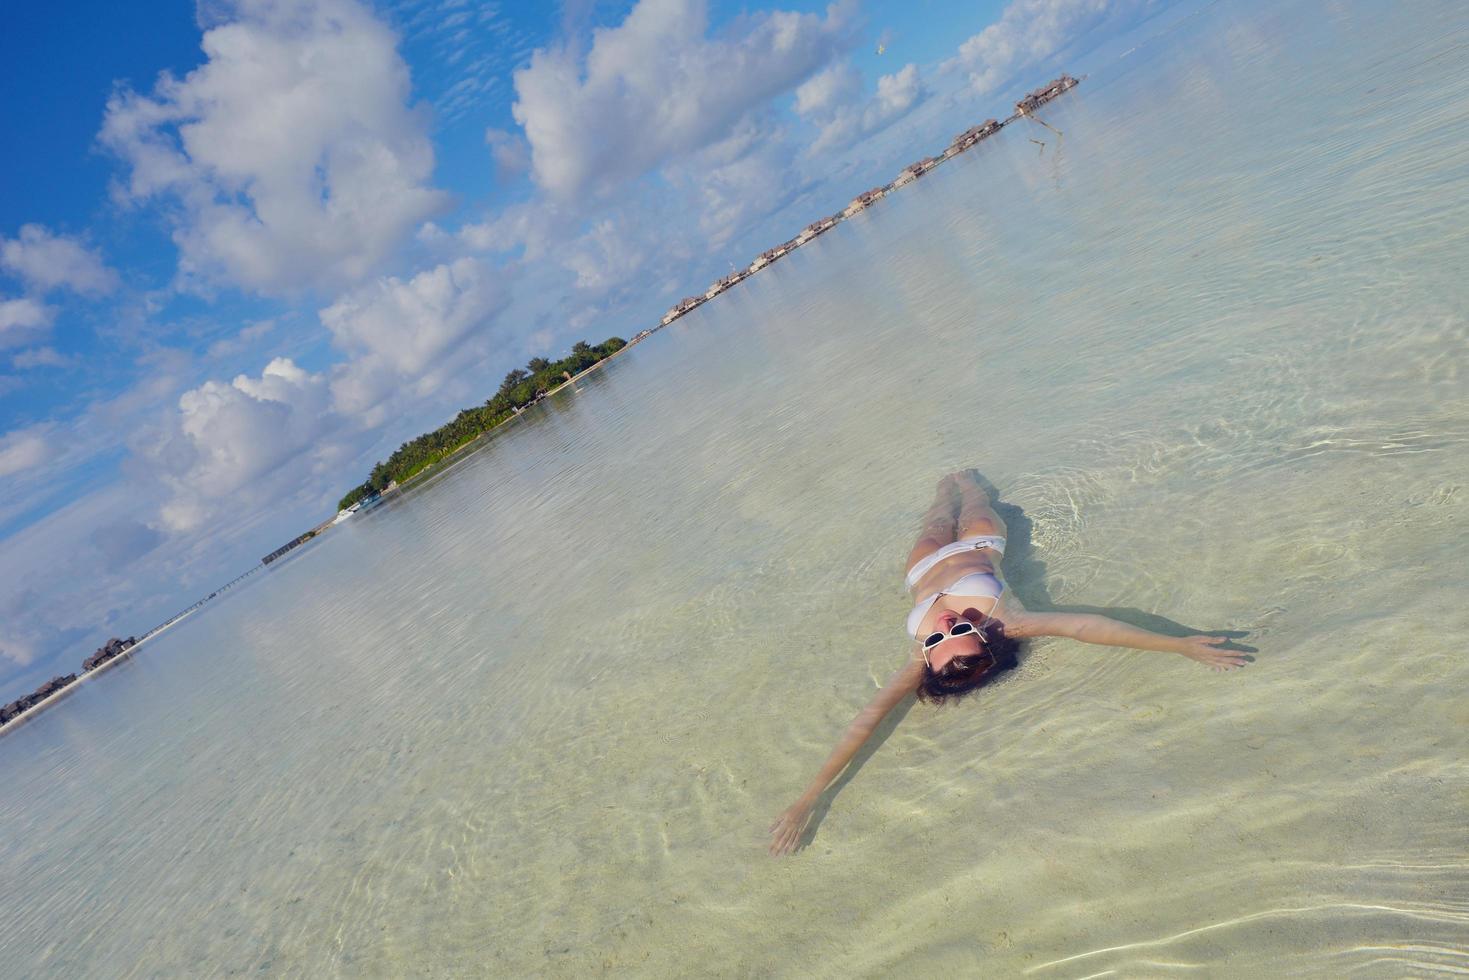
{"x":1011,"y":613}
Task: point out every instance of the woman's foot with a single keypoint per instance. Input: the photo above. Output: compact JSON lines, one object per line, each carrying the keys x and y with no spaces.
{"x":948,"y":492}
{"x":970,"y":480}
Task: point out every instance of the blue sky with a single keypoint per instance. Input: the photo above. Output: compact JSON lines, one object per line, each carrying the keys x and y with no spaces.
{"x":249,"y":246}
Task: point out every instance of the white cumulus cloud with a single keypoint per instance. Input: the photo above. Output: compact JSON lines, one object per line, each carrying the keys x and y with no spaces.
{"x":896,"y":92}
{"x":230,"y":436}
{"x":45,"y":261}
{"x":843,"y":116}
{"x":510,"y":152}
{"x":731,"y":184}
{"x":656,"y":87}
{"x":399,"y":332}
{"x":1028,"y":32}
{"x":605,"y":256}
{"x":291,"y":158}
{"x":836,"y":86}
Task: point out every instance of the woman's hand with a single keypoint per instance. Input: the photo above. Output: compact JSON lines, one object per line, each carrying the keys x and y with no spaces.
{"x":785,"y":833}
{"x":1205,"y":649}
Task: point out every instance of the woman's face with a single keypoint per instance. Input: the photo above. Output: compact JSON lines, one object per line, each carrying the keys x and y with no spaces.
{"x":955,"y":646}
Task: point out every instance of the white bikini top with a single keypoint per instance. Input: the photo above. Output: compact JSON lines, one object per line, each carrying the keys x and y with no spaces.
{"x":979,"y":585}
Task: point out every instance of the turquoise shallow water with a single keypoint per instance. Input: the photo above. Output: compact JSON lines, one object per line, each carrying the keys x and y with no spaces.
{"x":533,"y":717}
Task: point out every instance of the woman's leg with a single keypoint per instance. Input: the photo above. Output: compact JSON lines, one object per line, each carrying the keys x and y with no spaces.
{"x":940,"y":525}
{"x":976,"y":514}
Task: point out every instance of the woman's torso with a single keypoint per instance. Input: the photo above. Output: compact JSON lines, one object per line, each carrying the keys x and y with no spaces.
{"x":951,"y":569}
{"x":946,"y":573}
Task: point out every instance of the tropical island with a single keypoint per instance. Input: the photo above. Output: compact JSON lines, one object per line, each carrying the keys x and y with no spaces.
{"x":521,"y":388}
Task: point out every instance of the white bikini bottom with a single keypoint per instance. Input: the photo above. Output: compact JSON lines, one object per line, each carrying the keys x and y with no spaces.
{"x":925,"y":565}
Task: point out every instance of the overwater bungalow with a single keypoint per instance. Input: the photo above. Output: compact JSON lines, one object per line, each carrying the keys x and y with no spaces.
{"x":864,"y":200}
{"x":973,"y":135}
{"x":913,"y":171}
{"x":815,"y":228}
{"x":1045,"y":94}
{"x":20,"y":706}
{"x":766,"y":257}
{"x":680,"y":308}
{"x":723,"y":283}
{"x":112,"y":648}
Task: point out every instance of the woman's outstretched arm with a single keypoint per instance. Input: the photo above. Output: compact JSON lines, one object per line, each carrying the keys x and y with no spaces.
{"x":1102,"y":630}
{"x":785,"y":833}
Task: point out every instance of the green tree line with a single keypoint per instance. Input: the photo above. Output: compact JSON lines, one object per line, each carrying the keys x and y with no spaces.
{"x":520,"y":388}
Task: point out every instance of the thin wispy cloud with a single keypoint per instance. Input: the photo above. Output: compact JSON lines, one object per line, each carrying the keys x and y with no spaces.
{"x":40,"y":357}
{"x":23,"y":319}
{"x":46,"y":261}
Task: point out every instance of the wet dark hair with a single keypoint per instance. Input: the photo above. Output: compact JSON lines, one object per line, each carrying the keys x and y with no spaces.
{"x":968,"y":673}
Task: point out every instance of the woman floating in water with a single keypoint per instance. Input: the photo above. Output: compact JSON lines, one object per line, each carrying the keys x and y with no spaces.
{"x":965,"y":625}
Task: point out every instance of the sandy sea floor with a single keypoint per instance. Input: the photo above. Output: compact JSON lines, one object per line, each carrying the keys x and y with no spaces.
{"x":533,"y":717}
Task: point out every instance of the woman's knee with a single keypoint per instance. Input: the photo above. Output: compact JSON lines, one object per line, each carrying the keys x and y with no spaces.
{"x":931,"y":540}
{"x":980,"y":521}
{"x":936,"y":520}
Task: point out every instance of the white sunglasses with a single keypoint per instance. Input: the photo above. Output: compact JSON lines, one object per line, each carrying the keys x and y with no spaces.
{"x":961,"y":627}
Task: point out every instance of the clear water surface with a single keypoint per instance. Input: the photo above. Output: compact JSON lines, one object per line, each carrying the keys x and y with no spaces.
{"x":533,"y":718}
